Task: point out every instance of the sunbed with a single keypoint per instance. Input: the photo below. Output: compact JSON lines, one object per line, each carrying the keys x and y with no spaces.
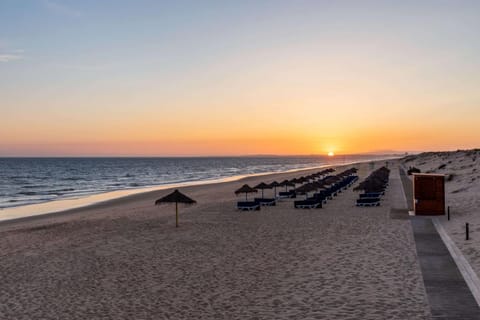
{"x":371,"y":194}
{"x":287,"y":194}
{"x":307,"y":204}
{"x":321,"y":196}
{"x":368,"y":202}
{"x":248,"y":205}
{"x":266,"y":201}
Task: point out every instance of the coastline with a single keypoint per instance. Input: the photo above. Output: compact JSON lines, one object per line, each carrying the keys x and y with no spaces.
{"x":125,"y":257}
{"x":73,"y":204}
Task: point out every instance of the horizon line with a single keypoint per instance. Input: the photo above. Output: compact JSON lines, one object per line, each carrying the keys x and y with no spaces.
{"x":393,"y":153}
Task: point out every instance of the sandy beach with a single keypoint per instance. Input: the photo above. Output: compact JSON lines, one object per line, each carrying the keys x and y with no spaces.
{"x":108,"y":108}
{"x":124,"y":259}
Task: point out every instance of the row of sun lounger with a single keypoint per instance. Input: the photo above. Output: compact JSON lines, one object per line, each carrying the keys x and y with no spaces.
{"x":321,"y":186}
{"x":374,"y":188}
{"x":258,"y":202}
{"x":332,"y":186}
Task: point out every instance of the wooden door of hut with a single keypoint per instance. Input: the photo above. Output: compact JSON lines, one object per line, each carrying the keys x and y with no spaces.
{"x":429,"y":194}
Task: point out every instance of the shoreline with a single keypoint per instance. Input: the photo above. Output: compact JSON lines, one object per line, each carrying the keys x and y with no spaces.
{"x":67,"y":206}
{"x":126,"y":257}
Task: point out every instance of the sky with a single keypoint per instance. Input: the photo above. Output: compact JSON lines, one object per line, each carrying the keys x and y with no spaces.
{"x":203,"y":78}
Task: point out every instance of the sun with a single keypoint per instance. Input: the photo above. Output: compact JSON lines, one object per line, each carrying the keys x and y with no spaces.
{"x":331,"y":154}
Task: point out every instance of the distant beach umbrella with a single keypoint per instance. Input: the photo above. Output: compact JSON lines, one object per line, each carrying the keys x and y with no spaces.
{"x":330,"y":180}
{"x":371,"y":185}
{"x":302,"y":180}
{"x":274,"y":185}
{"x":262,"y":186}
{"x":302,"y":189}
{"x":295,"y":181}
{"x":287,"y":184}
{"x":246,"y":189}
{"x":317,"y":184}
{"x":175,"y":197}
{"x":305,"y":189}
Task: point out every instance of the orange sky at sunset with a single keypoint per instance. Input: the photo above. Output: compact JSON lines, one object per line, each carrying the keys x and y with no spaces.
{"x":266,"y":78}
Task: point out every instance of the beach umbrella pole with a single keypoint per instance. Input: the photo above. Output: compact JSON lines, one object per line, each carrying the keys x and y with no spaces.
{"x":176,"y":196}
{"x":176,"y":214}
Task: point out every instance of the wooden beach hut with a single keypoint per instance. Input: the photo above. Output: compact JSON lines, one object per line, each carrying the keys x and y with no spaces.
{"x":429,"y":194}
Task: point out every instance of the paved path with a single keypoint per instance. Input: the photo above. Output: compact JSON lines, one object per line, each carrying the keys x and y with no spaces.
{"x":398,"y":202}
{"x":448,"y":294}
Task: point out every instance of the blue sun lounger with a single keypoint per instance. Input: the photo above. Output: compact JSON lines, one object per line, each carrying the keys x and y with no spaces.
{"x":371,"y":195}
{"x":248,"y":205}
{"x":310,"y":203}
{"x":368,"y":202}
{"x":321,"y":196}
{"x":266,"y":201}
{"x":287,"y":194}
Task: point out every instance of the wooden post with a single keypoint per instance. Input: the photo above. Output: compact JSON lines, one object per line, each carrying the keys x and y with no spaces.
{"x":176,"y":214}
{"x":466,"y":231}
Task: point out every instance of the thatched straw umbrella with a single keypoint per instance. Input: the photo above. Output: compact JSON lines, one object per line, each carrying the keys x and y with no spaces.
{"x":317,"y":184}
{"x":246,"y":189}
{"x":177,"y":197}
{"x":262,"y":186}
{"x":302,"y":180}
{"x":305,"y":189}
{"x":295,"y":181}
{"x":274,"y":185}
{"x":302,"y":189}
{"x":287,"y":183}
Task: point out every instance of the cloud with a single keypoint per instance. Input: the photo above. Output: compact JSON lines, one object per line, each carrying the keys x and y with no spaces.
{"x":61,"y":9}
{"x":7,"y":57}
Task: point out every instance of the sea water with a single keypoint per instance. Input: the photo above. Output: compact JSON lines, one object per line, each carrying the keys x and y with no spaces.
{"x":26,"y":181}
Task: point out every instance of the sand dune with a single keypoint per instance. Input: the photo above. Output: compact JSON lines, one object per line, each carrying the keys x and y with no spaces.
{"x":462,"y":195}
{"x":126,"y":260}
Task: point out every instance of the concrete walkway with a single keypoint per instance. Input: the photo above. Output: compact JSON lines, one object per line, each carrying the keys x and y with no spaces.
{"x":398,"y":202}
{"x":448,"y":294}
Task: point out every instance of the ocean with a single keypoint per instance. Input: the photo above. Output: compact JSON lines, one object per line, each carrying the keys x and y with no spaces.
{"x":25,"y":181}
